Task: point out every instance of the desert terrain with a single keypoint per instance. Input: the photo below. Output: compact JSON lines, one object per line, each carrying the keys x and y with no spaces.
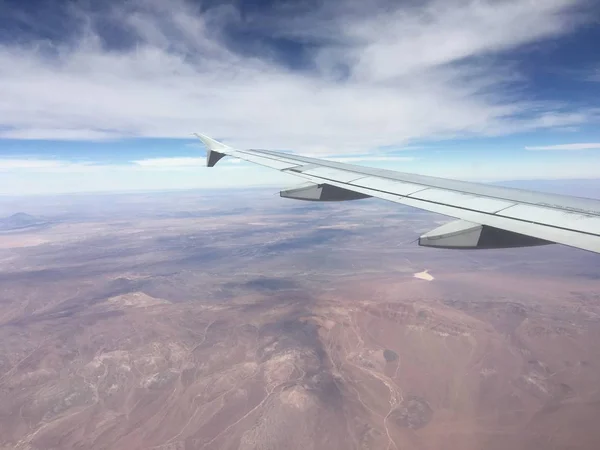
{"x":240,"y":320}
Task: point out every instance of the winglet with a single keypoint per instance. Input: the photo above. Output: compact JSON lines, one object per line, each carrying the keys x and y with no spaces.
{"x":213,"y":155}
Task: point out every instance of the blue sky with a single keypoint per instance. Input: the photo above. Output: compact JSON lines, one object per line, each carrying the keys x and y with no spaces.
{"x":105,"y":98}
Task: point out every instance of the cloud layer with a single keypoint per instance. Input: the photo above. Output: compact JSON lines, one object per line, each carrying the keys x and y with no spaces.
{"x":571,"y":147}
{"x":360,"y":78}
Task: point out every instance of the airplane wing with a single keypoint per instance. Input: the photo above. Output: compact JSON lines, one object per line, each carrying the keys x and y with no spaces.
{"x":489,"y":216}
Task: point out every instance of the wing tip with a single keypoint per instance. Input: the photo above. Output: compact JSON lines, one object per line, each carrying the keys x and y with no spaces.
{"x":214,"y":149}
{"x":210,"y":143}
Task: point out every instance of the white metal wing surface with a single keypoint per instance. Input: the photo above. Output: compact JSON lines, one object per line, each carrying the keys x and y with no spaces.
{"x":489,"y":216}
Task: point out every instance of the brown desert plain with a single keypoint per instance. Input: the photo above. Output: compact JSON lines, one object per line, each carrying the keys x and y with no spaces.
{"x":239,"y":320}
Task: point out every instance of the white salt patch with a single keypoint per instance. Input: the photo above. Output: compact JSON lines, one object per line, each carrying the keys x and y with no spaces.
{"x":424,"y":275}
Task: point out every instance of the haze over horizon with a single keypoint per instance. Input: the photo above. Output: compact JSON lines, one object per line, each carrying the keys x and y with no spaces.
{"x":104,"y":97}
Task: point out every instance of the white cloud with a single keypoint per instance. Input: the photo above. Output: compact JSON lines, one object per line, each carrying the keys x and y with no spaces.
{"x":180,"y":163}
{"x":58,"y":134}
{"x":367,"y":158}
{"x":171,"y":162}
{"x":12,"y":164}
{"x":403,"y":78}
{"x":37,"y":165}
{"x":446,"y":31}
{"x":594,"y":75}
{"x":187,"y":163}
{"x":41,"y":165}
{"x":582,"y":146}
{"x":41,"y":178}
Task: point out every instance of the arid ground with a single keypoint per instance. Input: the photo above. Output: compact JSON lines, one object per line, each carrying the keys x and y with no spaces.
{"x":239,"y":320}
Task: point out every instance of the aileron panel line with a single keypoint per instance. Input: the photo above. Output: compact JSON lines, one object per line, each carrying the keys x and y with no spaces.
{"x":560,"y":219}
{"x":382,"y":184}
{"x":333,"y":174}
{"x":468,"y":201}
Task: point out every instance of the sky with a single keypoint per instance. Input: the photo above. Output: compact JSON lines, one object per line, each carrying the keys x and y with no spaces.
{"x":105,"y":96}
